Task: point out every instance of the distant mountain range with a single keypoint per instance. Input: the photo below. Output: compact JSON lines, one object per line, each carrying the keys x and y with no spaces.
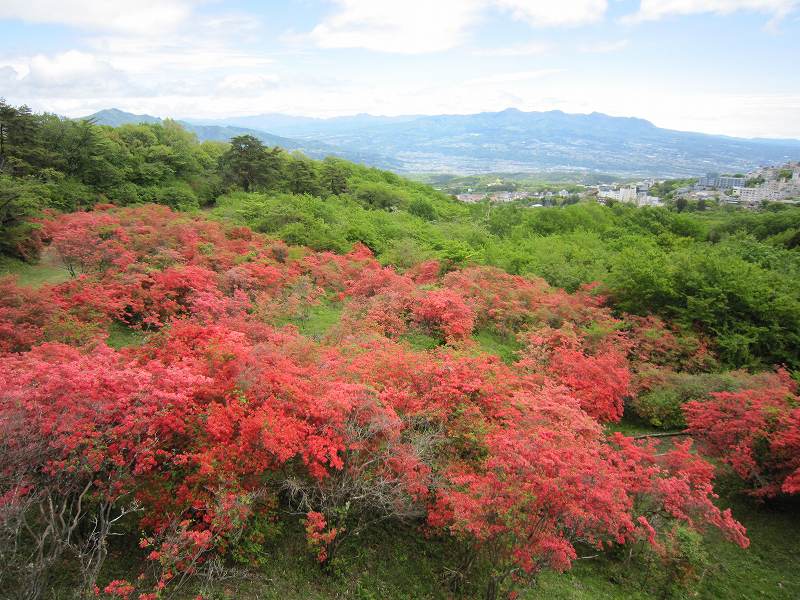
{"x":222,"y":133}
{"x":506,"y":141}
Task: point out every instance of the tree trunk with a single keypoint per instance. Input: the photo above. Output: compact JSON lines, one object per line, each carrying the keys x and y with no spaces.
{"x":491,"y":588}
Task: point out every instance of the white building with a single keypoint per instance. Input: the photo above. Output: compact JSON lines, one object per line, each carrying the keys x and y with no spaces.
{"x":749,"y":195}
{"x":471,"y":198}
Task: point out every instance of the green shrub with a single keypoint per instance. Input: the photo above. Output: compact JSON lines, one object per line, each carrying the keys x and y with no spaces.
{"x":662,"y":406}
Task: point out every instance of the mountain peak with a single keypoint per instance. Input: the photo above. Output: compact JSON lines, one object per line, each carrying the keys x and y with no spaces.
{"x":116,"y":117}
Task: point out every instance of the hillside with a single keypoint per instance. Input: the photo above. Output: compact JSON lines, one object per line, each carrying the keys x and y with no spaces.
{"x":223,"y":133}
{"x":516,"y":141}
{"x":510,"y":141}
{"x":229,"y":371}
{"x":307,"y":424}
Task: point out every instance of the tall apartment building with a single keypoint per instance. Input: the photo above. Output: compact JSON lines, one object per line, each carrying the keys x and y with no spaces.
{"x":721,"y":182}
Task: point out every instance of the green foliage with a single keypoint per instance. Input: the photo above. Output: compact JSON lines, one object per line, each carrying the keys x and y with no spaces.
{"x":661,"y":406}
{"x":19,"y":203}
{"x":674,"y":571}
{"x":492,"y":342}
{"x":422,"y":209}
{"x":732,"y":274}
{"x":334,"y":177}
{"x":379,"y":195}
{"x":248,"y":165}
{"x":741,"y":291}
{"x":752,"y":312}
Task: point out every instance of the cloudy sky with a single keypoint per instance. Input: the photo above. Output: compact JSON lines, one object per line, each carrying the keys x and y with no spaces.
{"x":717,"y":66}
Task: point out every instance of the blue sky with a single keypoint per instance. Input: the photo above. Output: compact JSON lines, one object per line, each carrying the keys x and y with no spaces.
{"x":718,"y":66}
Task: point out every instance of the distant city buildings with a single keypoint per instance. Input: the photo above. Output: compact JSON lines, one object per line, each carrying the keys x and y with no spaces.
{"x":720,"y":182}
{"x":502,"y":197}
{"x":638,"y":194}
{"x":779,"y":183}
{"x":774,"y":190}
{"x":471,"y":198}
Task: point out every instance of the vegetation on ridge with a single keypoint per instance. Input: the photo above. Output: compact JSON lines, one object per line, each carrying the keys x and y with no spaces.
{"x":332,"y":359}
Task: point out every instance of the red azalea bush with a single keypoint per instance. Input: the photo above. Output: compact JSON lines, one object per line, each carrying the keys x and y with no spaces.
{"x":756,"y":431}
{"x":222,"y":416}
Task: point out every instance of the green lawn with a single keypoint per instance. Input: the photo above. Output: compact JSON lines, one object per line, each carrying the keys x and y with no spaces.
{"x":318,"y":320}
{"x":47,"y":270}
{"x":492,"y":342}
{"x":122,"y":336}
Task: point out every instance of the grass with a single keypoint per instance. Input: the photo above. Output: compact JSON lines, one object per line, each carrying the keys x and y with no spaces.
{"x":385,"y":562}
{"x":319,"y":319}
{"x":396,"y":562}
{"x":419,"y":340}
{"x":122,"y":336}
{"x":46,"y":271}
{"x":632,"y":425}
{"x":502,"y":345}
{"x":770,"y":567}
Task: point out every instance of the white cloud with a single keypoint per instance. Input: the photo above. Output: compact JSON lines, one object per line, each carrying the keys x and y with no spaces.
{"x":604,"y":47}
{"x":247,"y":84}
{"x":529,"y":49}
{"x":651,"y":10}
{"x":512,"y":77}
{"x":185,"y":53}
{"x":127,"y":56}
{"x":207,"y":66}
{"x":144,"y":17}
{"x":555,"y":13}
{"x":71,"y":73}
{"x":422,"y":26}
{"x":413,"y":27}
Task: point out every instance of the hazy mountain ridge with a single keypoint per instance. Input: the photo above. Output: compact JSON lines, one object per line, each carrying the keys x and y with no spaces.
{"x":505,"y":141}
{"x":222,"y":133}
{"x":513,"y":140}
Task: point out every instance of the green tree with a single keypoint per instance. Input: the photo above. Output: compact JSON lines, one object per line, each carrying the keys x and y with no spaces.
{"x":303,"y":178}
{"x":334,"y":176}
{"x":249,"y":165}
{"x":19,"y":203}
{"x":18,"y":139}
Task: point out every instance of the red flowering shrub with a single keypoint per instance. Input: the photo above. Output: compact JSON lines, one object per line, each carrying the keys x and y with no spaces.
{"x":24,"y":313}
{"x":90,"y":241}
{"x":119,"y":588}
{"x":756,"y":431}
{"x":444,"y":311}
{"x":600,"y":381}
{"x":549,"y":478}
{"x":318,"y":536}
{"x":506,"y":302}
{"x":225,"y":417}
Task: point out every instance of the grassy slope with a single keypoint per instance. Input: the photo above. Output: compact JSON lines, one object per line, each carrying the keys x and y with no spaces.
{"x":47,"y":270}
{"x":395,"y":563}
